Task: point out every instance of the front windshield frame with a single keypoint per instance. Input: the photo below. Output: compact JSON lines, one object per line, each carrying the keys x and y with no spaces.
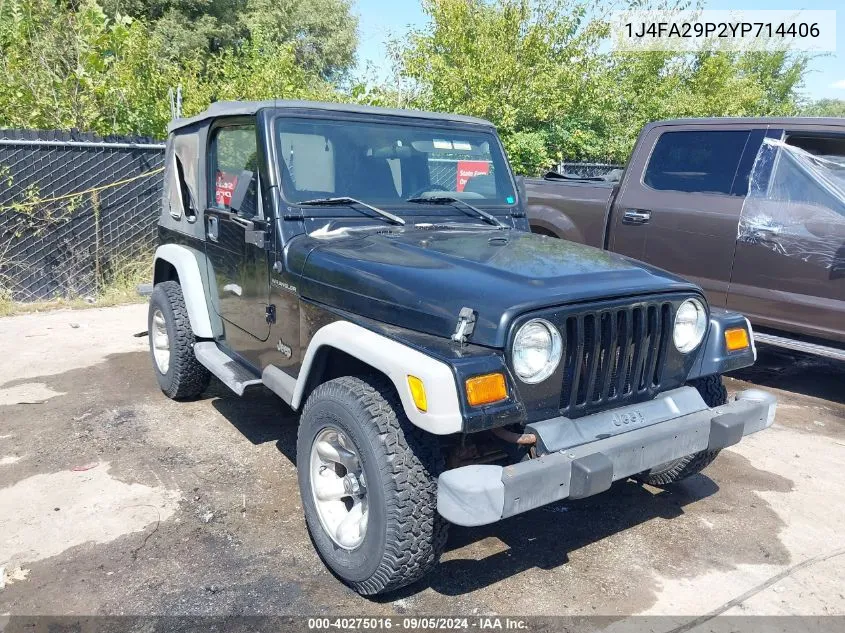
{"x":401,"y":205}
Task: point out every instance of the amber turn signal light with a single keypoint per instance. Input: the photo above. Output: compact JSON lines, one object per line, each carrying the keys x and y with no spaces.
{"x":736,"y":339}
{"x":418,"y":393}
{"x":486,"y":389}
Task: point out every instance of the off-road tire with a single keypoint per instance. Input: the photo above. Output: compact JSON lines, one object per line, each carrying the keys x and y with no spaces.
{"x":405,"y":535}
{"x":185,"y":377}
{"x":713,"y":392}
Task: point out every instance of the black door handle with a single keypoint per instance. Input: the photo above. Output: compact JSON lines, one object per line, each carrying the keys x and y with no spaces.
{"x":636,"y":216}
{"x":213,"y":227}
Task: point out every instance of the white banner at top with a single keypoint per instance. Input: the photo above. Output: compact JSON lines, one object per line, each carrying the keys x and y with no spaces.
{"x":692,"y":31}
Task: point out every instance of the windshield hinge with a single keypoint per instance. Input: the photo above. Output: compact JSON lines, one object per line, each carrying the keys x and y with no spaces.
{"x":270,"y":314}
{"x":466,"y":324}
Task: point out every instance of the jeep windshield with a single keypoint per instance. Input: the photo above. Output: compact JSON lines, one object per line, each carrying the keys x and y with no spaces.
{"x":391,"y":166}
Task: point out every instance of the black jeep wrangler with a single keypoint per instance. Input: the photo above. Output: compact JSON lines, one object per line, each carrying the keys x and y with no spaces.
{"x":375,"y":269}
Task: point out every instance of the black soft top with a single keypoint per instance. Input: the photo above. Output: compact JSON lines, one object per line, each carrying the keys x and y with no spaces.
{"x":248,"y":108}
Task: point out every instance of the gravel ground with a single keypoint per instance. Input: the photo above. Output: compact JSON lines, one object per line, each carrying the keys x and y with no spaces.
{"x":115,"y":500}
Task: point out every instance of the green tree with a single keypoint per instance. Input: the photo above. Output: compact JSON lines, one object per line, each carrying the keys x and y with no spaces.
{"x":256,"y":70}
{"x":825,"y":107}
{"x":514,"y":62}
{"x":82,"y":69}
{"x":538,"y":70}
{"x":528,"y":151}
{"x":321,"y":33}
{"x":79,"y":69}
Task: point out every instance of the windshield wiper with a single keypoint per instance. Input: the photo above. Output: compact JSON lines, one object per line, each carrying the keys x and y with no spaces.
{"x":347,"y":201}
{"x":460,"y":204}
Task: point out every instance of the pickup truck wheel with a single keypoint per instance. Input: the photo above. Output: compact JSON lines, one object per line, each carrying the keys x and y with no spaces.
{"x":713,"y":392}
{"x":368,"y":480}
{"x":179,"y":373}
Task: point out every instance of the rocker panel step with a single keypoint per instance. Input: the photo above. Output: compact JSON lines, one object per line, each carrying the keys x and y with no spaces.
{"x":230,"y":372}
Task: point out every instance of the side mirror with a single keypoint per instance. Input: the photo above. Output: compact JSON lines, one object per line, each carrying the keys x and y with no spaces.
{"x":243,"y":197}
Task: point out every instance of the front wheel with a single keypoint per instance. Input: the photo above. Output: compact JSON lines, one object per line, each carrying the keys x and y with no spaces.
{"x":714,"y":394}
{"x":368,"y":480}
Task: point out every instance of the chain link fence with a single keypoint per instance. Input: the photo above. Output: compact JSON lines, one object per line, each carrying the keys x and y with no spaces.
{"x":73,"y":209}
{"x":443,"y":173}
{"x":590,"y":170}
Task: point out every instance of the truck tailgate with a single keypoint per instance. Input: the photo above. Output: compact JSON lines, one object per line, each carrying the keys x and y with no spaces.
{"x":575,"y":210}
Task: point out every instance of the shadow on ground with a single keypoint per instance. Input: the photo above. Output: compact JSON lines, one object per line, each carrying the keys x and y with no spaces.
{"x":544,"y":538}
{"x":792,"y":371}
{"x":260,"y":416}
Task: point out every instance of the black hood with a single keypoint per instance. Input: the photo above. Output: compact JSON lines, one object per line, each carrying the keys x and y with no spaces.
{"x":420,"y":279}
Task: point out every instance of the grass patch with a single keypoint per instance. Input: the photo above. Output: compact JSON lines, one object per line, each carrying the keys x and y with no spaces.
{"x":118,"y":286}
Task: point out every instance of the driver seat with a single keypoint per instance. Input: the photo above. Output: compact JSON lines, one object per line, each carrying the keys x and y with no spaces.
{"x":373,"y":179}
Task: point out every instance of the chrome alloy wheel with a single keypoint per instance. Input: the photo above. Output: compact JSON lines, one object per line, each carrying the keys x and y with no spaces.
{"x":339,"y":488}
{"x":161,"y":342}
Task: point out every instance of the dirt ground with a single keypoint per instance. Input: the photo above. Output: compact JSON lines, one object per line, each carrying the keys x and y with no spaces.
{"x":115,"y":500}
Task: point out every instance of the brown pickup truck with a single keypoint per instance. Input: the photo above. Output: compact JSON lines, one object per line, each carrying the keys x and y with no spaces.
{"x":753,"y":210}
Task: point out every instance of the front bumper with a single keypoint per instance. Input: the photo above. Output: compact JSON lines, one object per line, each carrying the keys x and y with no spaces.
{"x":585,"y":456}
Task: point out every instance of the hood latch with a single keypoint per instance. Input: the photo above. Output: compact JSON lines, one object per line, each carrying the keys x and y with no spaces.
{"x":466,"y":324}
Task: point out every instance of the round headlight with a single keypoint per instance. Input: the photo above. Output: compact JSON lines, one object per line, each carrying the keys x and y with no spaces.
{"x":690,"y":324}
{"x":536,"y":351}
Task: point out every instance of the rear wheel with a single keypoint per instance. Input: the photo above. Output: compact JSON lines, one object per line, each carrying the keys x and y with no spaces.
{"x":179,"y":373}
{"x":368,"y":480}
{"x":713,"y":392}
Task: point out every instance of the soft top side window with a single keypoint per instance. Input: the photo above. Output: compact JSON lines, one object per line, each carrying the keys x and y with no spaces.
{"x":181,"y":178}
{"x":696,"y":161}
{"x":232,"y":158}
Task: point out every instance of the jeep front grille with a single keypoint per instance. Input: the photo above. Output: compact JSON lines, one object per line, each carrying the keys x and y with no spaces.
{"x":613,"y":356}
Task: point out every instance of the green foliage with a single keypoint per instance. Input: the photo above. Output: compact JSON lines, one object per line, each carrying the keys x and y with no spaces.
{"x":513,"y":62}
{"x":527,"y":151}
{"x":825,"y":107}
{"x":537,"y":69}
{"x":321,"y":33}
{"x":82,"y":69}
{"x":254,"y":71}
{"x":190,"y":27}
{"x":75,"y":69}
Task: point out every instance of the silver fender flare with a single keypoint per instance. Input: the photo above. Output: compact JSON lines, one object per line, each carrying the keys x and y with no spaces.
{"x":393,"y":359}
{"x":188,"y":262}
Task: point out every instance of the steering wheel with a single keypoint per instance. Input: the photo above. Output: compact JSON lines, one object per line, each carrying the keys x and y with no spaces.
{"x":423,"y":190}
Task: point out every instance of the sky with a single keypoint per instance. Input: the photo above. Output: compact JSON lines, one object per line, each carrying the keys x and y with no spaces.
{"x":380,"y":19}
